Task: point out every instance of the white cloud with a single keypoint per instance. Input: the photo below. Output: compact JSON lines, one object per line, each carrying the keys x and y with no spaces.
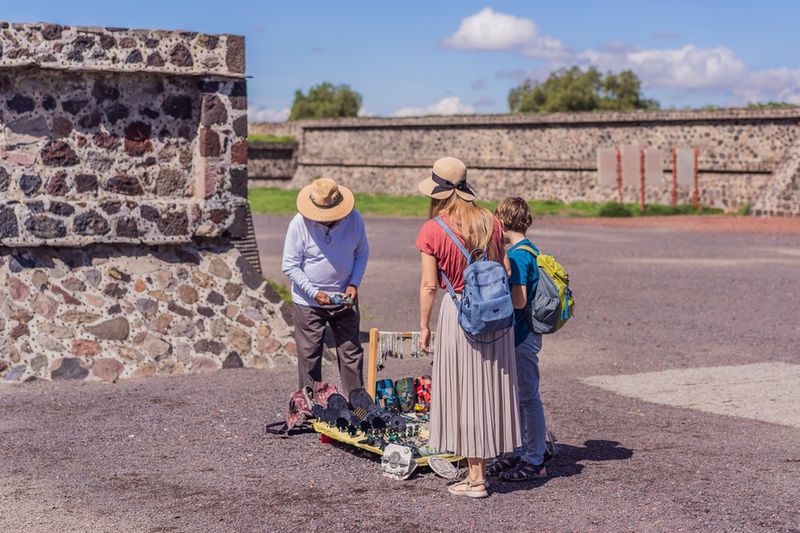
{"x":364,"y":112}
{"x":547,"y":48}
{"x":265,"y":114}
{"x":688,"y":67}
{"x":450,"y":105}
{"x":716,"y":70}
{"x":488,"y":30}
{"x":780,"y":84}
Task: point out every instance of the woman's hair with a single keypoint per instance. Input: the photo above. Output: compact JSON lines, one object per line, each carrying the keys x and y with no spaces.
{"x":473,"y":223}
{"x":515,"y":214}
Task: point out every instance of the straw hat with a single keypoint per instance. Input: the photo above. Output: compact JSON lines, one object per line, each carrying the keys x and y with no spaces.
{"x":449,"y":176}
{"x":324,"y":201}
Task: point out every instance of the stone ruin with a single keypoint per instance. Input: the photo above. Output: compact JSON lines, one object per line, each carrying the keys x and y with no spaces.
{"x":123,"y":196}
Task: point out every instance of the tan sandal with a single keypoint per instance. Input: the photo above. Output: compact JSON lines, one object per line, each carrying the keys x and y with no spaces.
{"x":469,"y":491}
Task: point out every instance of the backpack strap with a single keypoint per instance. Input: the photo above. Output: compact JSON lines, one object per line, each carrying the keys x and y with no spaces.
{"x":535,"y":255}
{"x":453,"y":237}
{"x":463,"y":251}
{"x":528,"y":249}
{"x":531,"y":251}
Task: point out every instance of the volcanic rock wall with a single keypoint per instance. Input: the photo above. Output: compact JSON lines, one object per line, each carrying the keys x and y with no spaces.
{"x":552,"y":156}
{"x":123,"y":184}
{"x":271,"y":160}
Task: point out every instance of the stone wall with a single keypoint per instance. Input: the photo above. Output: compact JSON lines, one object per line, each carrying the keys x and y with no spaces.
{"x":109,"y":312}
{"x":550,"y":156}
{"x":782,"y":194}
{"x":271,"y":161}
{"x":56,"y":47}
{"x":280,"y":129}
{"x":123,"y":189}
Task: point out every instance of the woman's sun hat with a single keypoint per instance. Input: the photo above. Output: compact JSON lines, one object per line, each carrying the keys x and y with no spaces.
{"x":449,"y":176}
{"x":325,"y":201}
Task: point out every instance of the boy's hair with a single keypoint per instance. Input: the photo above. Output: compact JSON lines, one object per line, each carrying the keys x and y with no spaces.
{"x":515,"y":214}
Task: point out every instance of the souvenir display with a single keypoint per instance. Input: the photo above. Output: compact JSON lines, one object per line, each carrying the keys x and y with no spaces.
{"x":389,"y":417}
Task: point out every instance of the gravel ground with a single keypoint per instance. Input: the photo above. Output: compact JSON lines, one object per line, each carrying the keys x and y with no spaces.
{"x":188,"y":453}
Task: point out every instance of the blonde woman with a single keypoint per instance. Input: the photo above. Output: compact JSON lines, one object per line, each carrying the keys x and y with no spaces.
{"x":473,"y":394}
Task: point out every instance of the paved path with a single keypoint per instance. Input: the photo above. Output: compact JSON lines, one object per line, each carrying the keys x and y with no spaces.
{"x":188,"y":454}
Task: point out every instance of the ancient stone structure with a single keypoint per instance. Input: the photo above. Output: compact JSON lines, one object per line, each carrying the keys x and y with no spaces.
{"x":123,"y":184}
{"x":272,"y":160}
{"x":782,"y":194}
{"x":744,"y":154}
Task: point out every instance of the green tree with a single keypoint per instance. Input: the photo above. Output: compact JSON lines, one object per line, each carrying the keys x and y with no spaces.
{"x":574,"y":89}
{"x":768,"y":105}
{"x":326,"y":101}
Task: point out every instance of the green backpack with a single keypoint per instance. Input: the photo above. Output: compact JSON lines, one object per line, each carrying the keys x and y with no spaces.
{"x":552,"y":304}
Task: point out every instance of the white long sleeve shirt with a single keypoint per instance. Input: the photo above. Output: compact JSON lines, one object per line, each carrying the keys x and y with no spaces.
{"x":318,"y":258}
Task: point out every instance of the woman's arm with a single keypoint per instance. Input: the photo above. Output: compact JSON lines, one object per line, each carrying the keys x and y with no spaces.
{"x":429,"y":283}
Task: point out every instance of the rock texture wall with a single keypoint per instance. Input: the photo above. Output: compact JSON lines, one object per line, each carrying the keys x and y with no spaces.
{"x":53,"y":46}
{"x":123,"y":184}
{"x":782,"y":194}
{"x":549,"y":156}
{"x":111,"y":312}
{"x":271,"y":161}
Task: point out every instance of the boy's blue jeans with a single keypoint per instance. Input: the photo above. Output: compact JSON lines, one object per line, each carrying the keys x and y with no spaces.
{"x":531,"y":411}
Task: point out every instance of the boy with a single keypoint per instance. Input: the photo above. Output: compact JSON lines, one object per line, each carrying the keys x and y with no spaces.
{"x":527,"y":462}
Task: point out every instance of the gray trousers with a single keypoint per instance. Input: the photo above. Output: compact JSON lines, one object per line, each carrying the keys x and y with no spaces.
{"x":309,"y":335}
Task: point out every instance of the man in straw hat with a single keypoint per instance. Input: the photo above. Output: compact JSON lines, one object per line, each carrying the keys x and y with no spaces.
{"x":325,"y":256}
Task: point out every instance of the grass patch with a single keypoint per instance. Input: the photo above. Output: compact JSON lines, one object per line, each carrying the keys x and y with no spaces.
{"x":269,"y":138}
{"x":270,"y":201}
{"x":684,"y":209}
{"x":614,"y":210}
{"x":283,"y":291}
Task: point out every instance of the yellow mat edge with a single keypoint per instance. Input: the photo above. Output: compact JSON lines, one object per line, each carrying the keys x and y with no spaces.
{"x":344,"y":438}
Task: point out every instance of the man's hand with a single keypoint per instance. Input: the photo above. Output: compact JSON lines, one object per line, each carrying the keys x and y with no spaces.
{"x":352,"y":293}
{"x":322,"y":298}
{"x":425,"y":340}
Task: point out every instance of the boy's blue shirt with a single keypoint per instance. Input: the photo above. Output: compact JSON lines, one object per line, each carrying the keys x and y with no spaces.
{"x":524,"y":271}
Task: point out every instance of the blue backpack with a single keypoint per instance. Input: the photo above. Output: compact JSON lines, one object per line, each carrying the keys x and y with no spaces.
{"x":485,"y":304}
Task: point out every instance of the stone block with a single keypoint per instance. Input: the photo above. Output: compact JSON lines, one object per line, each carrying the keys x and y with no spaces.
{"x":70,"y":368}
{"x":85,"y":347}
{"x":115,"y":329}
{"x":213,"y":111}
{"x":234,"y":58}
{"x":209,"y":143}
{"x":107,"y":369}
{"x":103,"y":169}
{"x":232,"y":361}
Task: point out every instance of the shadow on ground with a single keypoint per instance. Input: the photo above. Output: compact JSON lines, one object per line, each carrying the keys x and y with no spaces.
{"x":568,"y":461}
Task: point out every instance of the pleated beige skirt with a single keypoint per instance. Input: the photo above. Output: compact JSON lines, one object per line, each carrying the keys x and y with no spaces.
{"x":474,"y":410}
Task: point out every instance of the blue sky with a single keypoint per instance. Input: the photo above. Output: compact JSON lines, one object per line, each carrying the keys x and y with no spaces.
{"x":418,"y":57}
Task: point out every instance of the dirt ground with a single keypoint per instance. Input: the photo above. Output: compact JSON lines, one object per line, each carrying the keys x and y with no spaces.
{"x":189,"y":453}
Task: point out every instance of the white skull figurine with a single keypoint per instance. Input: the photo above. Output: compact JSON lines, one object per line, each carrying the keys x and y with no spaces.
{"x":398,"y":462}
